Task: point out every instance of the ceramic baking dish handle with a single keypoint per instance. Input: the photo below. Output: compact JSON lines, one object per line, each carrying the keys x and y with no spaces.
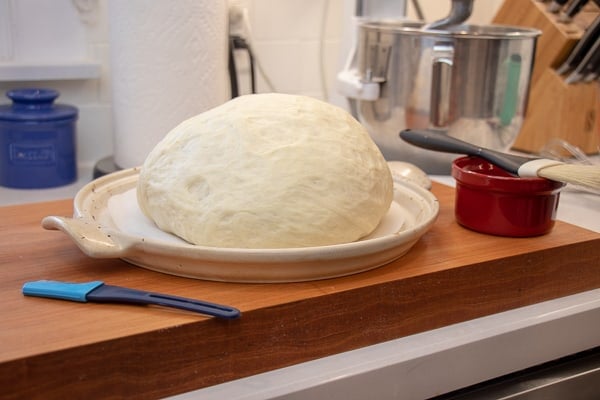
{"x":89,"y":237}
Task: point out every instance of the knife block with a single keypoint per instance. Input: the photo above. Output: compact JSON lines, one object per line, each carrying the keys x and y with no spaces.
{"x":555,"y":110}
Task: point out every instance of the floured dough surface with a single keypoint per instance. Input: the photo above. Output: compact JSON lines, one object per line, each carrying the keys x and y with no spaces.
{"x":267,"y":171}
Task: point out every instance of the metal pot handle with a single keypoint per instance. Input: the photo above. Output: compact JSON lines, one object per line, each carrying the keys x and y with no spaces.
{"x":441,"y":80}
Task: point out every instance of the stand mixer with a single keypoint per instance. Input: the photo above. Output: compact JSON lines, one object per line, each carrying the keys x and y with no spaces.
{"x":468,"y":81}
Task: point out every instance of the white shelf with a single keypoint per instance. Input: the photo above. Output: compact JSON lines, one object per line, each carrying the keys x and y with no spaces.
{"x":16,"y":72}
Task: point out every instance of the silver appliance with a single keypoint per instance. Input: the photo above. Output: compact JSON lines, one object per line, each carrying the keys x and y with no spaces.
{"x":469,"y":81}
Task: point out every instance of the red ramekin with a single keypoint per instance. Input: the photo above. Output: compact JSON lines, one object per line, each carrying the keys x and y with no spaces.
{"x":491,"y":200}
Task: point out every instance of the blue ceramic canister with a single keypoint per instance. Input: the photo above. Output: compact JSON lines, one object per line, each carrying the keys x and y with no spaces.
{"x":37,"y":140}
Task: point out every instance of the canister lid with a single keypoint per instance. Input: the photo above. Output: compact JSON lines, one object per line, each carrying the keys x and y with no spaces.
{"x":35,"y":105}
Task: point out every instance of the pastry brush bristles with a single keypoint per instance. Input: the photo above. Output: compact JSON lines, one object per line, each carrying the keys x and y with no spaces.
{"x":580,"y":175}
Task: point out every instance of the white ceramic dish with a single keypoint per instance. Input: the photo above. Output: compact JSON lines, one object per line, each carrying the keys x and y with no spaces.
{"x":108,"y":224}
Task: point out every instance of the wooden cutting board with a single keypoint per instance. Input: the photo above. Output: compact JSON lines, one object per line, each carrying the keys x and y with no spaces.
{"x":52,"y":348}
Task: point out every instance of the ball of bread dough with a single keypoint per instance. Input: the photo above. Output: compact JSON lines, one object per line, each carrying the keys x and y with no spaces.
{"x":267,"y":171}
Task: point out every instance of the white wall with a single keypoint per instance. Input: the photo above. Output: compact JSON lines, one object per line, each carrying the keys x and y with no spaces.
{"x":92,"y":97}
{"x":298,"y":43}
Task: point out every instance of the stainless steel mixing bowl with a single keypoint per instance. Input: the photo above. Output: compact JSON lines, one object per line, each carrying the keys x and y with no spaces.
{"x":470,"y":81}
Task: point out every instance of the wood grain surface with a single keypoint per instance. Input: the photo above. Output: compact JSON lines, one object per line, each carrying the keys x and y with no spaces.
{"x":60,"y":349}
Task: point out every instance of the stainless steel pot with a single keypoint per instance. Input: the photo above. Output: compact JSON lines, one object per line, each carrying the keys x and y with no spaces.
{"x":471,"y":81}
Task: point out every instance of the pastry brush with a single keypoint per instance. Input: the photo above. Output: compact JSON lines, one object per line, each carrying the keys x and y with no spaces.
{"x":576,"y":174}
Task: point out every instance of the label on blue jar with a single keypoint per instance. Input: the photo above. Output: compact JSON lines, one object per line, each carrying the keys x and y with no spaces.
{"x":32,"y":154}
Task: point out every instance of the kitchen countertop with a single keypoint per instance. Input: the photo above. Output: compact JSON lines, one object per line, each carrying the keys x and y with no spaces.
{"x":452,"y":276}
{"x":11,"y":196}
{"x":434,"y":362}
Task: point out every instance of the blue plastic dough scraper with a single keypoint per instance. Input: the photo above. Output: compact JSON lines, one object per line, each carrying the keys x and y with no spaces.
{"x":98,"y":292}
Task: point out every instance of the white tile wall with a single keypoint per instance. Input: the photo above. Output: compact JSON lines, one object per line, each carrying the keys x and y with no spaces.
{"x":287,"y":38}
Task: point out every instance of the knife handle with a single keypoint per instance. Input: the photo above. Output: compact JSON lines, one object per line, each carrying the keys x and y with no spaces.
{"x":110,"y":293}
{"x":581,"y":48}
{"x":60,"y":290}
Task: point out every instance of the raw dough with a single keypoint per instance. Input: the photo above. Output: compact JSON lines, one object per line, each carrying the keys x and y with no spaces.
{"x":267,"y":171}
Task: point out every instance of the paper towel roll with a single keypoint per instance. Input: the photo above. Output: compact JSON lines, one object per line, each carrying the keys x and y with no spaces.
{"x":168,"y":63}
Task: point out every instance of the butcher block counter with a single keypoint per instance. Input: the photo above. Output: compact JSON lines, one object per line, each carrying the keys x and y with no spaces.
{"x":60,"y":349}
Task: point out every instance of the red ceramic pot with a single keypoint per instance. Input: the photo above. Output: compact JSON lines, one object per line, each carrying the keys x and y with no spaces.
{"x":491,"y":200}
